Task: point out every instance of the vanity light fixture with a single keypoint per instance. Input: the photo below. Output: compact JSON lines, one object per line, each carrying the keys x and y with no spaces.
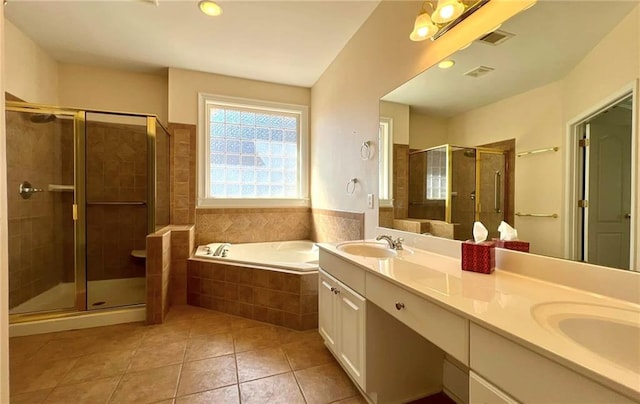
{"x":210,"y":8}
{"x":438,"y":16}
{"x":447,"y":11}
{"x":423,"y":28}
{"x":446,"y":64}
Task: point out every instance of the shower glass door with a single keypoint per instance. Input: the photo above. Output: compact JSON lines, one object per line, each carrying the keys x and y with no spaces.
{"x":116,"y":209}
{"x":41,"y":198}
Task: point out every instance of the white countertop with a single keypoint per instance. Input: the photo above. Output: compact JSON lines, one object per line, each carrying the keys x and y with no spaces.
{"x":503,"y":302}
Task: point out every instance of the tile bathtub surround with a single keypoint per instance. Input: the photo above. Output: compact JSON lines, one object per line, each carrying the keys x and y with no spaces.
{"x":252,"y":225}
{"x":333,"y":225}
{"x":211,"y":358}
{"x":280,"y":298}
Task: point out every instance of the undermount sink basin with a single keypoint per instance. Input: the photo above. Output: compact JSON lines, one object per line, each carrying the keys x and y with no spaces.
{"x":367,"y":249}
{"x":609,"y":332}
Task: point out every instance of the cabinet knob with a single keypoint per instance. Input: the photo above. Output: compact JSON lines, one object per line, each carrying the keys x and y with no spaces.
{"x":399,"y":306}
{"x":333,"y":289}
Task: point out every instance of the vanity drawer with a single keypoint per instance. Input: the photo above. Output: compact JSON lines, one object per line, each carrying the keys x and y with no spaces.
{"x":347,"y":273}
{"x":530,"y":377}
{"x":448,"y":331}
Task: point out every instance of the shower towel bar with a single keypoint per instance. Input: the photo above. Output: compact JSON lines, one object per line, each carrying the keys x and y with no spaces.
{"x":117,"y":203}
{"x":548,"y":149}
{"x":553,"y":215}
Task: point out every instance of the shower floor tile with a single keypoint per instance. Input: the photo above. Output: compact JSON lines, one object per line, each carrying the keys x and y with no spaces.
{"x":198,"y":356}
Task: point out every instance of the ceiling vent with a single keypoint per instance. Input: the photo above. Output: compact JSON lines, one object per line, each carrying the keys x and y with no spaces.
{"x":479,"y":71}
{"x":495,"y":38}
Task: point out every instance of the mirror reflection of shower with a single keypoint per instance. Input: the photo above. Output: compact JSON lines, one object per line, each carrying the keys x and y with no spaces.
{"x":450,"y":187}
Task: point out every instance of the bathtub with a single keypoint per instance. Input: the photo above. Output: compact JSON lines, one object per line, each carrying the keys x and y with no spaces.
{"x":299,"y":256}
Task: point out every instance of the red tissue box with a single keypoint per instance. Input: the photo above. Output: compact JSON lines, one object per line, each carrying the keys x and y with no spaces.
{"x":516,"y":245}
{"x":478,"y":257}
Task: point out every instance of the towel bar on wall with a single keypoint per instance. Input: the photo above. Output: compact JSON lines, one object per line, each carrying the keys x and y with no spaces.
{"x":553,"y":215}
{"x":548,"y":149}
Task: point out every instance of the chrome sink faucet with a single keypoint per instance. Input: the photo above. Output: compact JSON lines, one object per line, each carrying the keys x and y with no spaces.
{"x":395,"y":245}
{"x":221,"y":249}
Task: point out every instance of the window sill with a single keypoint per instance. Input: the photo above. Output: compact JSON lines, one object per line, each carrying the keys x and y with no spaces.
{"x":209,"y":203}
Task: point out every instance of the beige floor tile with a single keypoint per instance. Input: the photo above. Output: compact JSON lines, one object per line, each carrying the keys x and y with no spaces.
{"x":209,"y":346}
{"x":92,"y":392}
{"x":224,"y":395}
{"x":325,"y":384}
{"x":35,"y":375}
{"x":28,"y":345}
{"x":128,"y":338}
{"x":306,"y":354}
{"x":147,"y":386}
{"x":203,"y":327}
{"x":155,"y":356}
{"x":238,"y":323}
{"x":65,"y":348}
{"x":247,"y":339}
{"x":352,"y":400}
{"x":279,"y":389}
{"x":166,"y":333}
{"x":207,"y":374}
{"x":261,"y":363}
{"x":98,"y":366}
{"x":32,"y":397}
{"x":289,"y":336}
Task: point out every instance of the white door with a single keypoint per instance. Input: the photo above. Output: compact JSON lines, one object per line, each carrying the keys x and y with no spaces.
{"x":351,"y":323}
{"x":609,"y":191}
{"x":326,"y":310}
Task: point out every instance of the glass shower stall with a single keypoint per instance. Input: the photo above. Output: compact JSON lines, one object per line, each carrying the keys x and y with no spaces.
{"x":84,"y":190}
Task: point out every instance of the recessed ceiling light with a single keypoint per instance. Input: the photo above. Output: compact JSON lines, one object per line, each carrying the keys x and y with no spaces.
{"x":446,"y":64}
{"x":210,"y":8}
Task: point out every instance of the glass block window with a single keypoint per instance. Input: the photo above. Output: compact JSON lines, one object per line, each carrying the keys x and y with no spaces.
{"x":436,"y":181}
{"x":253,"y":151}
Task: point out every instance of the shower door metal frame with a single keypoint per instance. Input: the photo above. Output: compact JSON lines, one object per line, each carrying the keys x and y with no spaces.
{"x":79,"y":206}
{"x":479,"y":151}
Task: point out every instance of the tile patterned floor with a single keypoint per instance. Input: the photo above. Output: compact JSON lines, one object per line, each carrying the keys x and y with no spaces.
{"x":197,"y":356}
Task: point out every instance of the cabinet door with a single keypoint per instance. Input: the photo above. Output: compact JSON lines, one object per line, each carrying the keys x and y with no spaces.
{"x":326,"y":310}
{"x":351,"y":328}
{"x":483,"y":392}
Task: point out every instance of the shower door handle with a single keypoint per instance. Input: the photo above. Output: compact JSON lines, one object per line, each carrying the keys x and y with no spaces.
{"x":496,"y":193}
{"x":26,"y":190}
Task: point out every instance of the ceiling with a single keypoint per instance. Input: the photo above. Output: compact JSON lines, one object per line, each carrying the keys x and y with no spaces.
{"x":549,"y":40}
{"x":288,"y":42}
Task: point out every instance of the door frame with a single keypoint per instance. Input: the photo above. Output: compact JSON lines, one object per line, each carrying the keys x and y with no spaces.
{"x":572,"y":185}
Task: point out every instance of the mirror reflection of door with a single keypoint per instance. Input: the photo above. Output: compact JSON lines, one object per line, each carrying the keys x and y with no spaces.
{"x":605,"y":238}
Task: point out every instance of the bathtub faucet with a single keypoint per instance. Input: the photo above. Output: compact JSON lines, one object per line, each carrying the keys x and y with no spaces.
{"x":395,"y":245}
{"x":221,"y":249}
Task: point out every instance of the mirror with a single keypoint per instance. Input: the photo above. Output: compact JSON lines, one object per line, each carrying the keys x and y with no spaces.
{"x":554,"y":96}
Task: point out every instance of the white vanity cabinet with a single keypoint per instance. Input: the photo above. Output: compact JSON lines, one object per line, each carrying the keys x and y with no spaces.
{"x":388,"y":361}
{"x":509,"y":369}
{"x":341,"y":323}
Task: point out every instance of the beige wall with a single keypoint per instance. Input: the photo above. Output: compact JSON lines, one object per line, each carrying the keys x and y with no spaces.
{"x":534,"y":119}
{"x":184,"y":86}
{"x":399,"y":113}
{"x":426,"y":131}
{"x":538,"y":118}
{"x":345,"y":99}
{"x":4,"y":264}
{"x":31,"y":74}
{"x":113,"y":90}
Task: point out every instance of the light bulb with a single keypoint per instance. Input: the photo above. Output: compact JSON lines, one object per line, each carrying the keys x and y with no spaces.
{"x":423,"y":28}
{"x":446,"y":64}
{"x":210,"y":8}
{"x":447,"y":11}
